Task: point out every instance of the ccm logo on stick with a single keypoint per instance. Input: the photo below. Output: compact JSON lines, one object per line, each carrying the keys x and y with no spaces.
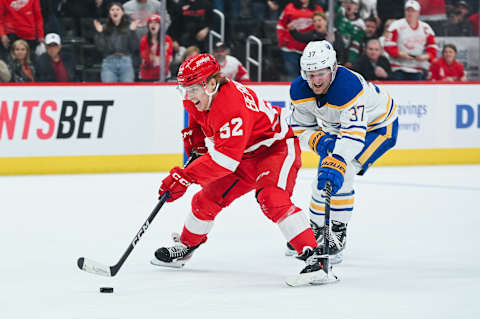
{"x":48,"y":120}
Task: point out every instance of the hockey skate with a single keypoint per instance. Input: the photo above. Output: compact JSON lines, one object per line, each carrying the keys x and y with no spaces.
{"x":337,"y":242}
{"x":314,"y":272}
{"x":175,"y":256}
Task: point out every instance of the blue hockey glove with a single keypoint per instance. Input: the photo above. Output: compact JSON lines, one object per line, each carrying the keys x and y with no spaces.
{"x":332,"y":169}
{"x":322,"y":143}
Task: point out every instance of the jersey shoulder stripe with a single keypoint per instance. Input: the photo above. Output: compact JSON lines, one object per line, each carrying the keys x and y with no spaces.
{"x":345,"y":89}
{"x":300,"y":92}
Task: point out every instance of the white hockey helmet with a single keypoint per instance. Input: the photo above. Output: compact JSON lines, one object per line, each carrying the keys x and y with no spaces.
{"x":318,"y":55}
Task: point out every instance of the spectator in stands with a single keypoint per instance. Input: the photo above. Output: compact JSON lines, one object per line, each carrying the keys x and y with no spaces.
{"x":191,"y":50}
{"x":300,"y":13}
{"x":230,"y":66}
{"x":192,"y":22}
{"x":370,"y":31}
{"x":447,"y":68}
{"x":20,"y":65}
{"x":56,"y":65}
{"x":150,"y":51}
{"x":320,"y":32}
{"x":458,"y":24}
{"x":21,"y":20}
{"x":5,"y":75}
{"x":411,"y":44}
{"x":352,"y":36}
{"x":117,"y":41}
{"x":372,"y":64}
{"x":385,"y":35}
{"x":463,"y":8}
{"x":351,"y":12}
{"x":179,"y":58}
{"x":142,"y":10}
{"x":474,"y":21}
{"x":371,"y":28}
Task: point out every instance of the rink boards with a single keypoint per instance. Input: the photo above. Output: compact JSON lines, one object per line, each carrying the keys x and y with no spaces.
{"x":126,"y":128}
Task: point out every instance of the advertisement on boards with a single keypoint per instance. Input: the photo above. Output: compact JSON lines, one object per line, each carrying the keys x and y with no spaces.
{"x":89,"y":120}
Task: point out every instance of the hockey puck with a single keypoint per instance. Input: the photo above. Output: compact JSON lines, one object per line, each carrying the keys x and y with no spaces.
{"x":106,"y":289}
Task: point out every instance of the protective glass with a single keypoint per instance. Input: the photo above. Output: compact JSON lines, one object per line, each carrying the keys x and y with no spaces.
{"x":191,"y":92}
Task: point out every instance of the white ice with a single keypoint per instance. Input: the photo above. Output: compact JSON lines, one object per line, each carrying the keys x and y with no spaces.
{"x":412,"y":251}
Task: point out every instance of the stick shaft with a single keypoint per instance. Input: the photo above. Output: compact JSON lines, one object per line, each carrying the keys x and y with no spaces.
{"x":115,"y":268}
{"x":326,"y":228}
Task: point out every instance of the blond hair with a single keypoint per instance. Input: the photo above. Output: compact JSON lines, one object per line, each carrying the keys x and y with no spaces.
{"x":25,"y":44}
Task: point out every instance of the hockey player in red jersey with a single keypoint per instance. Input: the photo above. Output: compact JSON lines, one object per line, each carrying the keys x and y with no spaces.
{"x":253,"y":149}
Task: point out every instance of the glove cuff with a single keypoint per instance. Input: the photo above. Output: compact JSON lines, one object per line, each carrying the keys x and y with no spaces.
{"x":314,"y":139}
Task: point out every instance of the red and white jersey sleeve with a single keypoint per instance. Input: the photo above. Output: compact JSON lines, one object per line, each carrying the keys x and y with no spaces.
{"x":302,"y":18}
{"x":238,"y":123}
{"x":415,"y":42}
{"x":233,"y":69}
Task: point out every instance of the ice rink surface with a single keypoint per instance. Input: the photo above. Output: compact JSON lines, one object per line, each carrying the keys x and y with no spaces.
{"x":412,"y":251}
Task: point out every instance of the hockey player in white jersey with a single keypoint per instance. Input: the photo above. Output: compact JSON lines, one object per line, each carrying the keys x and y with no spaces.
{"x":349,"y":123}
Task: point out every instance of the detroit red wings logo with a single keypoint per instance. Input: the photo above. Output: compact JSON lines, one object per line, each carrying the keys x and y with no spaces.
{"x":18,"y":4}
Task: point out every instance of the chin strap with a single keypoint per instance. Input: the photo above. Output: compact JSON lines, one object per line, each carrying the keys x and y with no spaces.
{"x":210,"y":95}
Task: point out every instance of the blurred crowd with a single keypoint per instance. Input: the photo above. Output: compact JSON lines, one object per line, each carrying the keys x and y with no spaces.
{"x":120,"y":40}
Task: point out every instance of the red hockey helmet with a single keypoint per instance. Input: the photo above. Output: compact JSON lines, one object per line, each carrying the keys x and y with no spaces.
{"x":197,"y":69}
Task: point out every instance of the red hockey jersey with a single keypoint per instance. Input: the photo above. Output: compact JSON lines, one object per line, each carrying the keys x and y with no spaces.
{"x":440,"y":70}
{"x":21,"y":17}
{"x":148,"y":69}
{"x":240,"y":124}
{"x":302,"y":18}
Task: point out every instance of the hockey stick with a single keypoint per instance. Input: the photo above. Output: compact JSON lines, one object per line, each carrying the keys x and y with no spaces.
{"x":97,"y":268}
{"x":316,"y":278}
{"x":326,"y":228}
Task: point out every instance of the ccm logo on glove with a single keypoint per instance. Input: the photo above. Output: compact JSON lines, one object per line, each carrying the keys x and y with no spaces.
{"x":175,"y":184}
{"x":180,"y":179}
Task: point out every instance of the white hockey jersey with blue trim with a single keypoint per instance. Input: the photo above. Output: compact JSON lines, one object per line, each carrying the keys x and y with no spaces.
{"x":350,"y":108}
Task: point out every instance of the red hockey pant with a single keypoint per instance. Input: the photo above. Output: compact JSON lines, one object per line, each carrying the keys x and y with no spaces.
{"x":271,"y":173}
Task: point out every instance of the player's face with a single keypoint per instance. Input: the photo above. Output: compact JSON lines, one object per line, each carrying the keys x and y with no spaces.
{"x":197,"y":94}
{"x":319,"y":80}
